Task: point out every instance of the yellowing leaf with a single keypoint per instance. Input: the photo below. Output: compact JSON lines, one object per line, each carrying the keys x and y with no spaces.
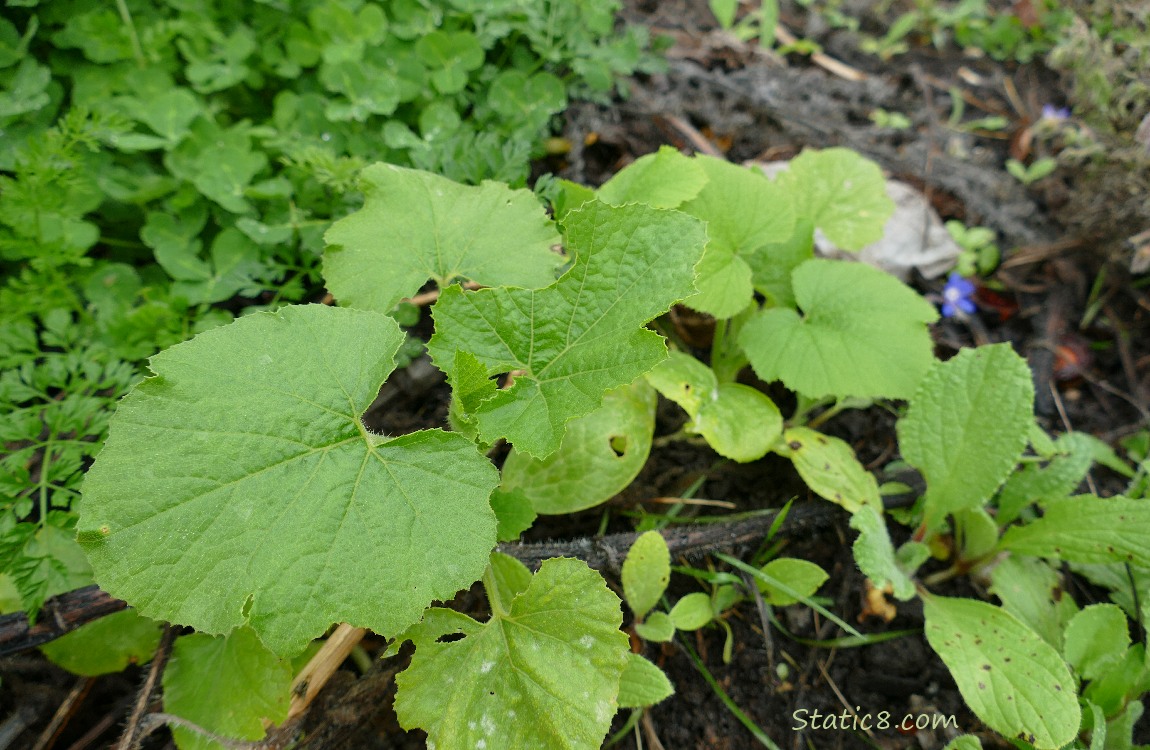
{"x":646,"y":572}
{"x":601,"y":453}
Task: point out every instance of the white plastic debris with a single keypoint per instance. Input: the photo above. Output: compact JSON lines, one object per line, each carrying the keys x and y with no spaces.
{"x":914,"y":238}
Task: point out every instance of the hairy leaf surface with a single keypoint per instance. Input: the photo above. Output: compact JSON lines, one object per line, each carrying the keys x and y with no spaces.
{"x":874,"y":552}
{"x":416,"y":226}
{"x":545,"y":673}
{"x":580,"y":337}
{"x":967,"y":426}
{"x":238,"y":485}
{"x":1086,"y":529}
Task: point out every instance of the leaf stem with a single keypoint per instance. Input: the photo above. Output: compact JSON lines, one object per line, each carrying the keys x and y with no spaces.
{"x":126,"y":17}
{"x":491,"y":588}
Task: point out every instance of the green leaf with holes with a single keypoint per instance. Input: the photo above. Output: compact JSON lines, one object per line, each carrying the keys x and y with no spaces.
{"x":263,"y":490}
{"x":575,"y":340}
{"x":967,"y":426}
{"x":228,"y":685}
{"x":416,"y":226}
{"x":861,"y":333}
{"x":544,"y":673}
{"x":601,"y":453}
{"x":1011,"y":678}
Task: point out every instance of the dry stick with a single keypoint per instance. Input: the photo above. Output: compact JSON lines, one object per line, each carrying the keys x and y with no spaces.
{"x":1070,"y":428}
{"x":67,"y":708}
{"x":426,"y":298}
{"x":765,"y":620}
{"x":84,"y":605}
{"x":311,"y":679}
{"x":103,"y":725}
{"x":692,"y":134}
{"x":607,"y":552}
{"x":649,"y":731}
{"x":154,"y":721}
{"x":826,"y":62}
{"x":59,"y":616}
{"x":1122,"y":337}
{"x":838,"y":693}
{"x":132,"y":732}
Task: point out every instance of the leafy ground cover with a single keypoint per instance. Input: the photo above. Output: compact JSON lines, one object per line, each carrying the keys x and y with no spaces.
{"x":753,"y":667}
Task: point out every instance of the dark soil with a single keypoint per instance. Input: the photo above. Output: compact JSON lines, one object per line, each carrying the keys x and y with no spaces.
{"x":748,"y":104}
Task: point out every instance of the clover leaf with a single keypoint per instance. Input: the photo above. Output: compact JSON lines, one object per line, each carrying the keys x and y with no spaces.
{"x":238,"y":485}
{"x":580,"y":337}
{"x":451,"y":55}
{"x":416,"y":226}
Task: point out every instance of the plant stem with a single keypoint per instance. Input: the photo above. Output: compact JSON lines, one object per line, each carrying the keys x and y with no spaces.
{"x":126,"y":17}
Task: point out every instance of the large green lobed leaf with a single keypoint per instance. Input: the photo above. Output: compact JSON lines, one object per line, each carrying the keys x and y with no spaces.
{"x":861,"y":333}
{"x":745,"y":212}
{"x":416,"y":226}
{"x":580,"y":337}
{"x":543,"y":674}
{"x":238,"y":485}
{"x":842,"y":192}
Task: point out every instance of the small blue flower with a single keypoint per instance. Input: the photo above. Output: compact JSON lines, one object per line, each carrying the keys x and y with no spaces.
{"x":956,"y":299}
{"x":1055,"y":114}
